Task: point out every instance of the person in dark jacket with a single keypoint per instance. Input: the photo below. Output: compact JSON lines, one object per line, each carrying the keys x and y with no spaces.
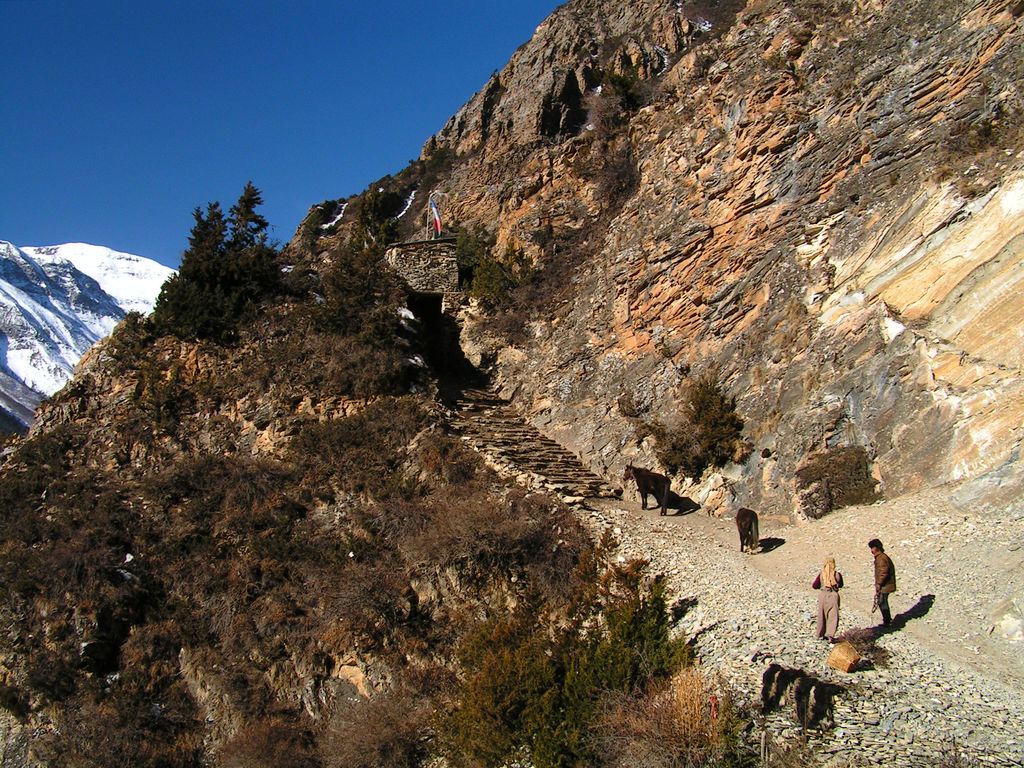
{"x":885,"y":579}
{"x":828,"y":583}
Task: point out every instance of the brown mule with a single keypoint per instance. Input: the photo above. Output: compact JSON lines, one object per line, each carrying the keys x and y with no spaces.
{"x":649,"y":483}
{"x":746,"y":523}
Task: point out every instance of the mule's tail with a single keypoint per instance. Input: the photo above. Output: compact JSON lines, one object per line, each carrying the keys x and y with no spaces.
{"x":755,"y":536}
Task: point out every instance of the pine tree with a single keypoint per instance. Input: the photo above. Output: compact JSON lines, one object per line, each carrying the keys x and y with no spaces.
{"x":207,"y":245}
{"x":228,"y":268}
{"x":248,"y":228}
{"x":255,"y":259}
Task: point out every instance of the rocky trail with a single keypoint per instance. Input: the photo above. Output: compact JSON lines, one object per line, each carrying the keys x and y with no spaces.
{"x":944,"y":686}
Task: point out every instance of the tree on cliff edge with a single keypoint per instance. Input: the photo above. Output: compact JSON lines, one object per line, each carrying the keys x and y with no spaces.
{"x":228,"y":268}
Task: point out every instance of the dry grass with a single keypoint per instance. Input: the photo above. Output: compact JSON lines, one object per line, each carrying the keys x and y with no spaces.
{"x":684,"y":723}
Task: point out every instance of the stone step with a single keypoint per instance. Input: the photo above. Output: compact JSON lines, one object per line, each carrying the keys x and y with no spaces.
{"x":491,"y":426}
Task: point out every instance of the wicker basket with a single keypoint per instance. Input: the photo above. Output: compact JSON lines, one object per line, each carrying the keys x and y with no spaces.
{"x":843,"y":657}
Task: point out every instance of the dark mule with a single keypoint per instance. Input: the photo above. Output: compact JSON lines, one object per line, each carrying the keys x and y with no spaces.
{"x":746,"y":523}
{"x":648,"y":482}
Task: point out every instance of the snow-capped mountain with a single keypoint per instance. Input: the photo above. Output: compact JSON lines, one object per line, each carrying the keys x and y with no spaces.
{"x":55,"y":303}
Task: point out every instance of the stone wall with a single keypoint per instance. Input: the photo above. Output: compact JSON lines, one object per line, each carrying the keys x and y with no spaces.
{"x":428,"y":266}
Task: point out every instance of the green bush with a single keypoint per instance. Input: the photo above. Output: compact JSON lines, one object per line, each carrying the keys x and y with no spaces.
{"x":364,"y":351}
{"x":130,"y":341}
{"x":473,"y":246}
{"x":532,"y":679}
{"x":361,"y":296}
{"x":626,"y":91}
{"x":708,"y":432}
{"x":377,"y":211}
{"x":319,"y":217}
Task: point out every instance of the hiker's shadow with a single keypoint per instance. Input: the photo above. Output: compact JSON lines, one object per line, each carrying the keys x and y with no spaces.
{"x":916,"y":611}
{"x":768,"y":543}
{"x":683,"y":505}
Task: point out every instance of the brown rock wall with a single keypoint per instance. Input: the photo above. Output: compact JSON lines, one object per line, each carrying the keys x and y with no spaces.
{"x":826,"y":214}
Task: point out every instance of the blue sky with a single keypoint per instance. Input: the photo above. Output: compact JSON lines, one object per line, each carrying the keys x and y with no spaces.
{"x":119,"y":118}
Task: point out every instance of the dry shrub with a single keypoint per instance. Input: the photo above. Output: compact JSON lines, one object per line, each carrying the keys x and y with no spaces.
{"x":216,"y":484}
{"x":14,"y":701}
{"x":794,"y":754}
{"x":388,"y":522}
{"x":617,"y":177}
{"x":488,"y":536}
{"x":359,"y":369}
{"x":368,"y":598}
{"x":445,"y":460}
{"x":149,"y":657}
{"x":681,"y":723}
{"x":269,"y":743}
{"x":865,"y":641}
{"x":118,"y":729}
{"x":475,"y":529}
{"x":390,"y":729}
{"x":837,"y":477}
{"x":362,"y":453}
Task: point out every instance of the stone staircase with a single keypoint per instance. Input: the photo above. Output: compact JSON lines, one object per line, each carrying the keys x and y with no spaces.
{"x":492,"y":427}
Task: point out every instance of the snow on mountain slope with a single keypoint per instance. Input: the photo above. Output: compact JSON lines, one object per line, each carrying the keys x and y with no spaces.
{"x":55,"y":303}
{"x":132,"y":281}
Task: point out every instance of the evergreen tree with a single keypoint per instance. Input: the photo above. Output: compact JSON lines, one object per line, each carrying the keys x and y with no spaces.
{"x":228,"y":268}
{"x":248,"y":228}
{"x":206,"y":241}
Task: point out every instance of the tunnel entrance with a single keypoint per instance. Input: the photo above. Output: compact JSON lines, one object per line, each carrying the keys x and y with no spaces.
{"x":440,"y":336}
{"x":426,"y":306}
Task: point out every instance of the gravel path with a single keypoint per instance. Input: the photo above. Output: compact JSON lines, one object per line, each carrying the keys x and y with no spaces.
{"x":945,"y":680}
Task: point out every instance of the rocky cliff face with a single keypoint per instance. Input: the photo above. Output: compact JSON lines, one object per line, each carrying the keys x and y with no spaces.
{"x":820,"y":201}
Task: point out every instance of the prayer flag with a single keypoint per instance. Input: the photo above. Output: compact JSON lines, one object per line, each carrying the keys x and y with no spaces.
{"x":437,"y":217}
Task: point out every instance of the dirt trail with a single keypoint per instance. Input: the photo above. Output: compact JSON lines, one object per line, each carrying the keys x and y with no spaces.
{"x":953,"y":568}
{"x":946,"y":681}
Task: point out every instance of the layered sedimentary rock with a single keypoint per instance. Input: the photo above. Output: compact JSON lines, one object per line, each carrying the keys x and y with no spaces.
{"x":824,"y":209}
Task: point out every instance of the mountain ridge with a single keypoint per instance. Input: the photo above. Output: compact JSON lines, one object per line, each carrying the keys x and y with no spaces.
{"x":55,"y":303}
